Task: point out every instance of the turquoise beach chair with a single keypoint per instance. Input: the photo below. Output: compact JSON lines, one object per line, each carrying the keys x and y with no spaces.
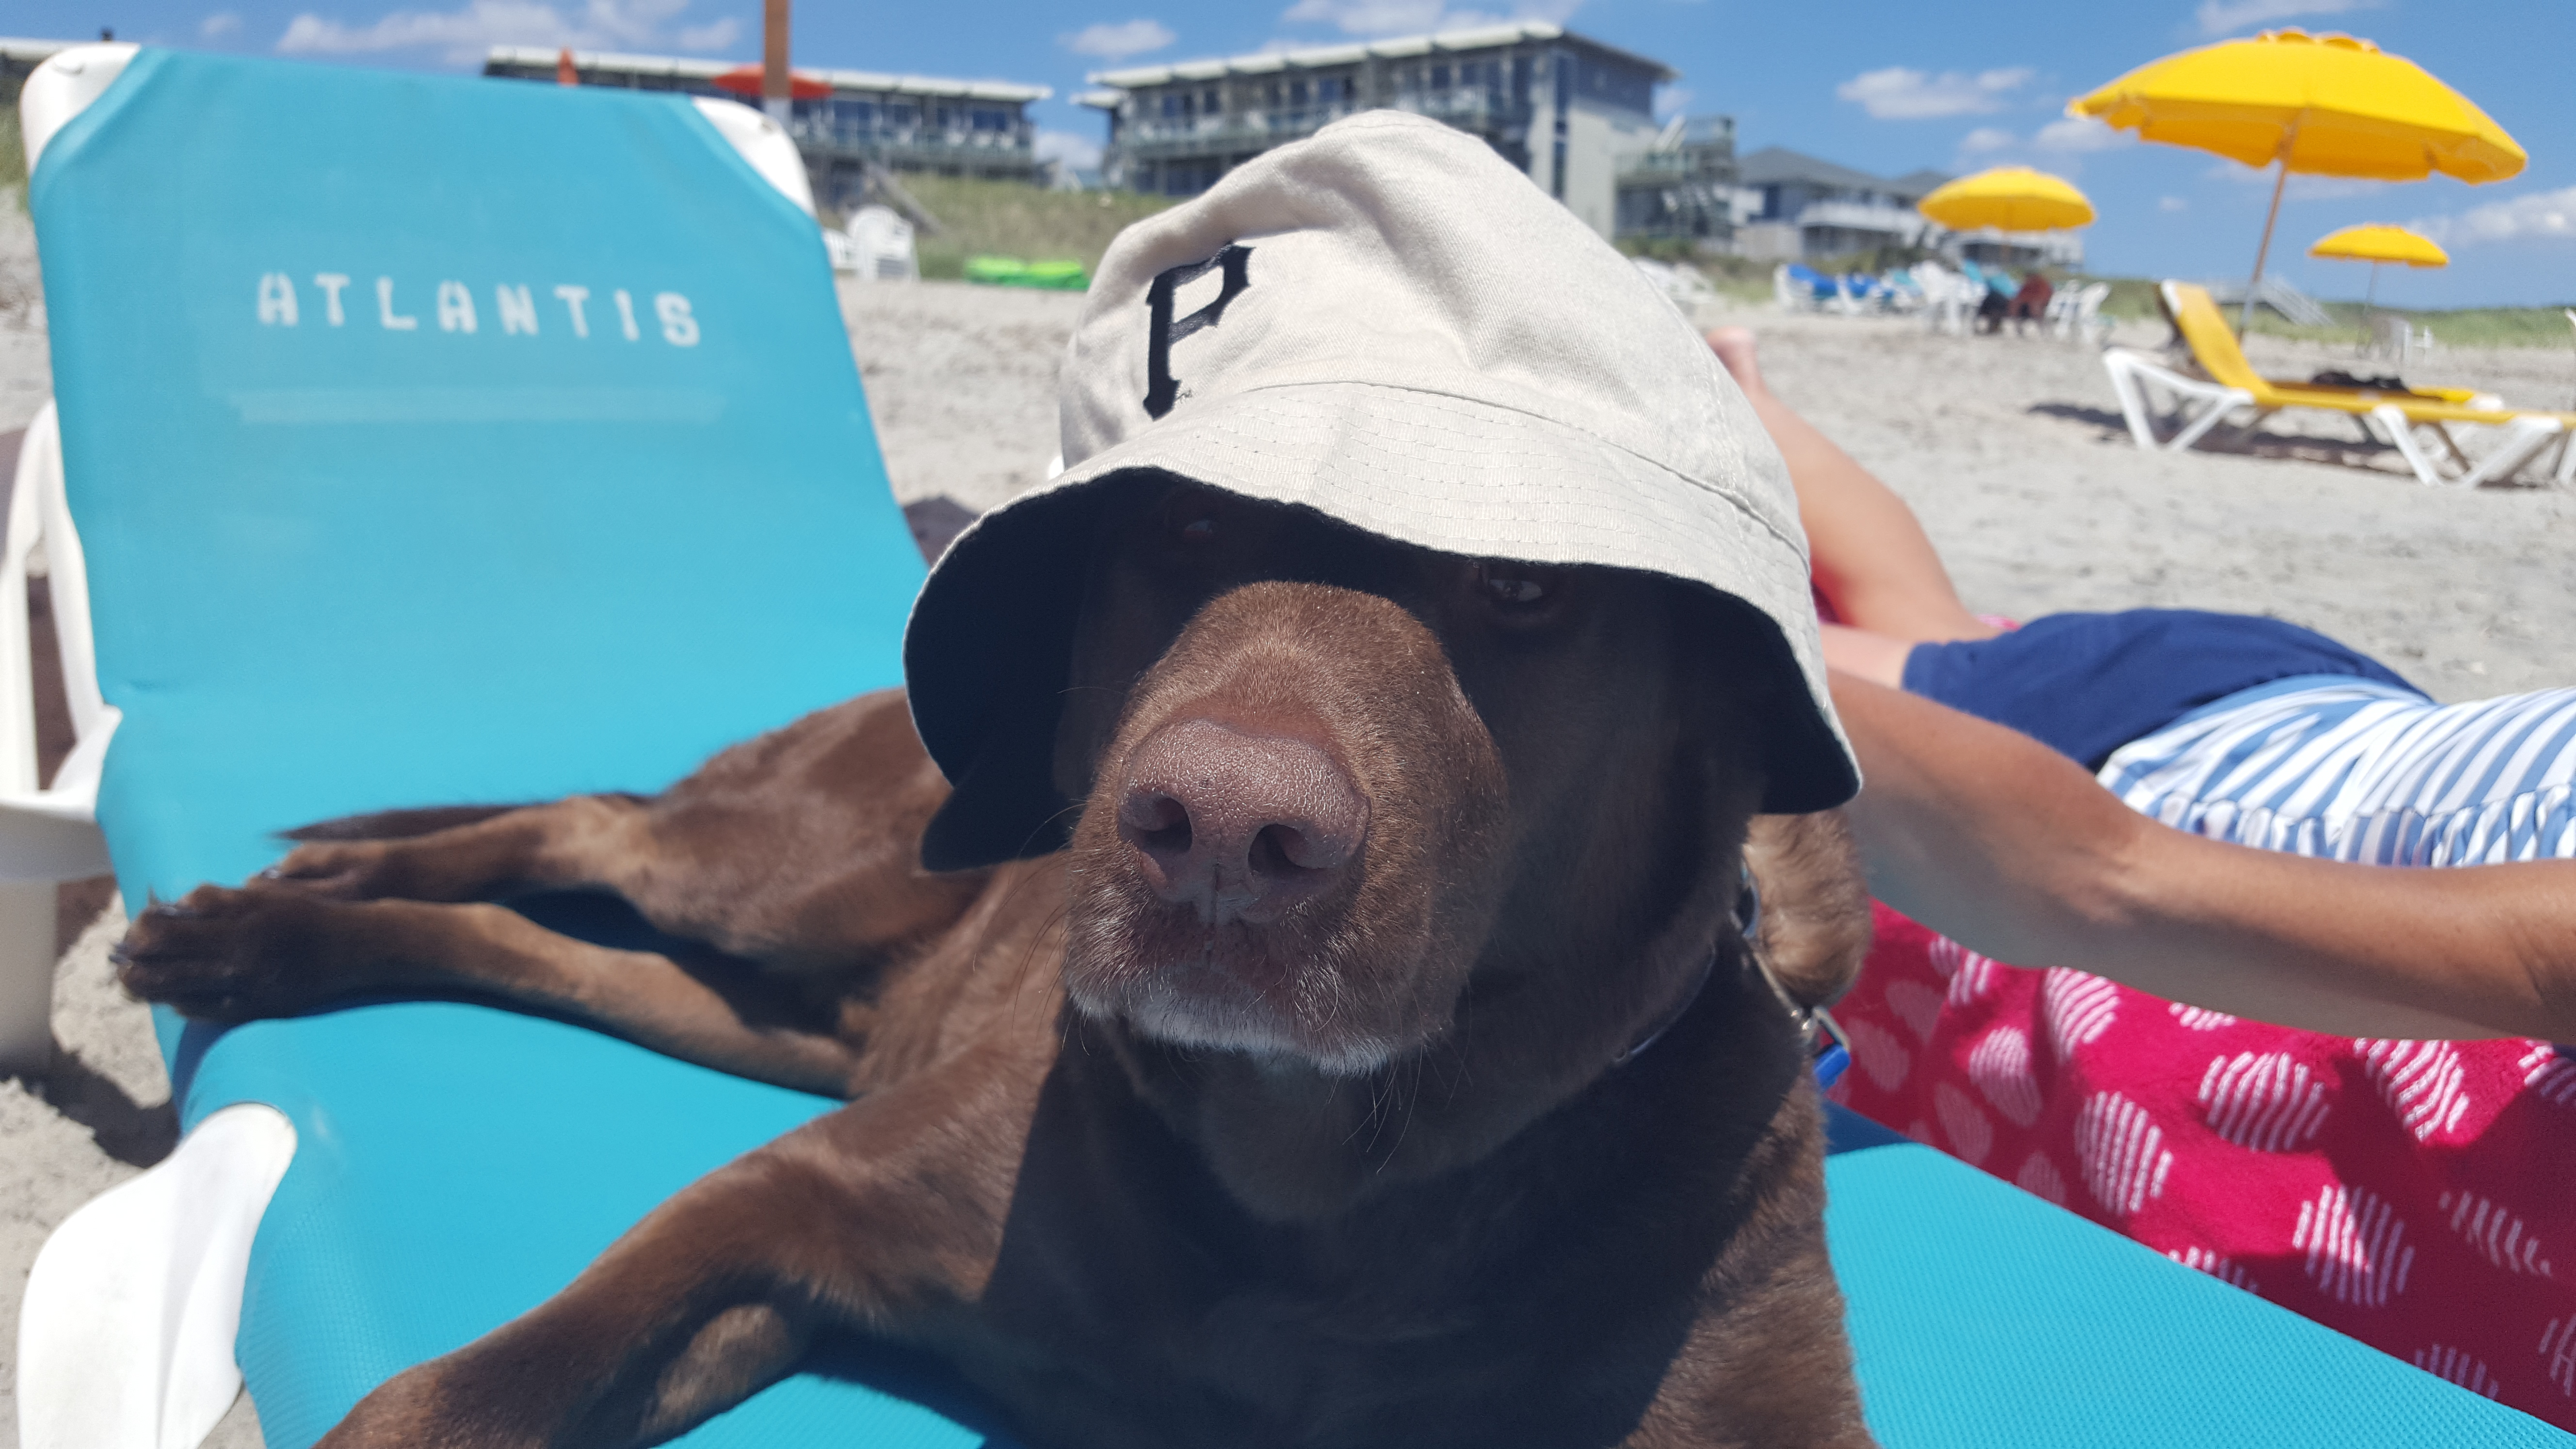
{"x":427,"y":439}
{"x":568,"y":484}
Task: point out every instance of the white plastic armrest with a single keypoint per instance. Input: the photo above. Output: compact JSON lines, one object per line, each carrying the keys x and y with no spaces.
{"x":764,"y":143}
{"x":62,"y":87}
{"x":125,"y":1335}
{"x":48,"y":833}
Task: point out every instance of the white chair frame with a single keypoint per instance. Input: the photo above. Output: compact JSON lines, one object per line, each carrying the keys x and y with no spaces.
{"x":2199,"y":405}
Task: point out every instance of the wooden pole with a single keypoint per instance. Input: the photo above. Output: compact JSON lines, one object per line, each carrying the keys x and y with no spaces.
{"x":2245,"y":314}
{"x":2289,"y":143}
{"x":773,"y":58}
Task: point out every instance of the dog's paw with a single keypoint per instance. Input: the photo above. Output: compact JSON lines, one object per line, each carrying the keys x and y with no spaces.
{"x":230,"y":955}
{"x":356,"y":870}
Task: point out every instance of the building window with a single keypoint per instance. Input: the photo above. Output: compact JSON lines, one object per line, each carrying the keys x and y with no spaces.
{"x":988,"y":118}
{"x":1440,"y":77}
{"x":1211,"y":103}
{"x":1296,"y":93}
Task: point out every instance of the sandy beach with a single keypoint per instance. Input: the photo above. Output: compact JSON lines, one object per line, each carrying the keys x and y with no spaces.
{"x":2011,"y":449}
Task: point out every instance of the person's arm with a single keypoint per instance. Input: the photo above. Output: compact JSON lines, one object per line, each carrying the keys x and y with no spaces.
{"x":2010,"y":849}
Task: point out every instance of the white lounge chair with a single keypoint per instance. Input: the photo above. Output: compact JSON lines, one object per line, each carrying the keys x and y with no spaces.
{"x":2075,"y":312}
{"x":1949,"y":299}
{"x":2231,"y":385}
{"x":881,"y":246}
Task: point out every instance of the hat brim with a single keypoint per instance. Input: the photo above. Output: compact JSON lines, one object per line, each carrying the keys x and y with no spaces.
{"x":1429,"y":469}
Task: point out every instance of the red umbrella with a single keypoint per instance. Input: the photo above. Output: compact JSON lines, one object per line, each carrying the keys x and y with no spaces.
{"x":745,"y":80}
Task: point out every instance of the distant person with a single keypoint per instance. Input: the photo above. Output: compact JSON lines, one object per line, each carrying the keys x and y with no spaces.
{"x":1993,"y":307}
{"x":2030,"y":304}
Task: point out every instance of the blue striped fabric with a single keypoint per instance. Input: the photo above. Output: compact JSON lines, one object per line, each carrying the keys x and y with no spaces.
{"x":2351,"y":769}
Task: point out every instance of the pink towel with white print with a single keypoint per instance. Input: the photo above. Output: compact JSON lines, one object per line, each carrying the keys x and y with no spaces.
{"x":2418,"y":1196}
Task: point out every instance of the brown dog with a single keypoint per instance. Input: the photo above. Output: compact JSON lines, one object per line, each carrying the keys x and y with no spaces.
{"x":1381,"y":1064}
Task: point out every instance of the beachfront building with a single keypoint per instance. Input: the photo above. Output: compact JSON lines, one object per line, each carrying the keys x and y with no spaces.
{"x":1796,"y":207}
{"x":1571,"y":112}
{"x":900,"y":122}
{"x":1682,"y":187}
{"x":1792,"y":207}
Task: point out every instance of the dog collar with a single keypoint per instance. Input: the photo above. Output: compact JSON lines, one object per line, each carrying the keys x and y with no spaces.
{"x":1748,"y":919}
{"x":1748,"y":925}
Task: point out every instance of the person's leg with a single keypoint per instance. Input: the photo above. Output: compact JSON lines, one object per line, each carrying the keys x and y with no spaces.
{"x":1878,"y":658}
{"x":1872,"y":559}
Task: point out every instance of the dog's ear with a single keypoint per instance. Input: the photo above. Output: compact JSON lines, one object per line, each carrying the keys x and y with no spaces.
{"x":1815,"y":913}
{"x":1815,"y":927}
{"x":1004,"y":806}
{"x":986,"y":658}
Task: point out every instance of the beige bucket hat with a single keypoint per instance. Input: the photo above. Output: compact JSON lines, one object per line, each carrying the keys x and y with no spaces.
{"x":1388,"y":324}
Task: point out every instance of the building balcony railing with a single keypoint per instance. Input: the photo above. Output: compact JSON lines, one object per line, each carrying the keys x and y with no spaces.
{"x":1182,"y":136}
{"x":1255,"y":128}
{"x":821,"y":132}
{"x":1463,"y":107}
{"x":1859,"y":216}
{"x":1672,"y":167}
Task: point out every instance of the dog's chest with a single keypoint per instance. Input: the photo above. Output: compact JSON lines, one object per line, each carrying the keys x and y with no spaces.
{"x":1432,"y":1330}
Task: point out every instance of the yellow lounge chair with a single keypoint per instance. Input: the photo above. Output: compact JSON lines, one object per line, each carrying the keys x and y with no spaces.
{"x":2232,"y":383}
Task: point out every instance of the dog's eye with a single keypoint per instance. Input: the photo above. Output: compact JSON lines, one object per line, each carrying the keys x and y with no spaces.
{"x":1194,"y":519}
{"x":1515,"y":586}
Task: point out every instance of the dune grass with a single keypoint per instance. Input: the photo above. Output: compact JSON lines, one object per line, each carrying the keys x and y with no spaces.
{"x":1012,"y":219}
{"x":13,"y":159}
{"x":2135,"y":297}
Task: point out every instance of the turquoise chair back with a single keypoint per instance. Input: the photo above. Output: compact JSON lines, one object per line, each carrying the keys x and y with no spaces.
{"x":436,"y":440}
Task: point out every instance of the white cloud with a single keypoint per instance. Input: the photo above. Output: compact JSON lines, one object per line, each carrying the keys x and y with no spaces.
{"x":1404,"y":17}
{"x":462,"y":35}
{"x":2058,"y":146}
{"x":2172,"y":203}
{"x":1673,"y":101}
{"x":2540,"y":216}
{"x":218,"y":25}
{"x":1900,"y":94}
{"x":2074,"y":134}
{"x":2223,"y":17}
{"x":1120,"y":40}
{"x":1076,"y":152}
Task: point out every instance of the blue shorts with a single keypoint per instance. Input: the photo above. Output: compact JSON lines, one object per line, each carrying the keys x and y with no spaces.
{"x":2086,"y":684}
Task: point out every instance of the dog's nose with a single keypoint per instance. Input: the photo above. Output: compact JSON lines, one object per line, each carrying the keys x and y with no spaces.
{"x":1240,"y":825}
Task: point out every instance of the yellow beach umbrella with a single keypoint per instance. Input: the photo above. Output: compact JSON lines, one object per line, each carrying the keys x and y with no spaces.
{"x":2378,"y":245}
{"x":2381,"y":244}
{"x":2321,"y":105}
{"x":2008,"y":198}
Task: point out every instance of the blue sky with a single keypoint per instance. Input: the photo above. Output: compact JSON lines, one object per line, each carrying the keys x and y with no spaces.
{"x":1887,"y":87}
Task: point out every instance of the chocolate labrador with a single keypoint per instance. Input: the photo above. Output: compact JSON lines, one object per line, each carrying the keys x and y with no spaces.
{"x":1383,"y":1060}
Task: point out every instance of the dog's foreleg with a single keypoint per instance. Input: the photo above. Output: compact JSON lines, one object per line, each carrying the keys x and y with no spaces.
{"x":233,"y":955}
{"x":884,"y":1217}
{"x":489,"y":855}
